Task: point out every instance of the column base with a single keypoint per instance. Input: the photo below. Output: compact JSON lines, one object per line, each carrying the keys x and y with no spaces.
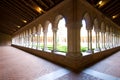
{"x":102,"y":49}
{"x":53,"y":51}
{"x":90,"y":51}
{"x":45,"y":49}
{"x":74,"y":55}
{"x":97,"y":50}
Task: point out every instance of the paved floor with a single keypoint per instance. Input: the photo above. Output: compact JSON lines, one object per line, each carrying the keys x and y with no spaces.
{"x":16,"y":64}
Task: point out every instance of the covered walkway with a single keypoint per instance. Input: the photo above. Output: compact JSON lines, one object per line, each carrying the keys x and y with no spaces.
{"x":16,"y":64}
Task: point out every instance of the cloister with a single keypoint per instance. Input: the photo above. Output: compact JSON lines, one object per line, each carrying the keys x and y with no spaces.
{"x":72,"y":25}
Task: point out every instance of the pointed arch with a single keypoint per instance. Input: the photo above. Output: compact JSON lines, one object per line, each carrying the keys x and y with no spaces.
{"x":87,"y":18}
{"x":96,"y":24}
{"x":49,"y":37}
{"x":45,"y":28}
{"x":103,"y":27}
{"x":34,"y":30}
{"x":102,"y":36}
{"x":39,"y":29}
{"x":59,"y":17}
{"x":61,"y":35}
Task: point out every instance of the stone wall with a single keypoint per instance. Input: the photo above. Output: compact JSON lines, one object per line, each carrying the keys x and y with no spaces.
{"x":75,"y":64}
{"x":5,"y":39}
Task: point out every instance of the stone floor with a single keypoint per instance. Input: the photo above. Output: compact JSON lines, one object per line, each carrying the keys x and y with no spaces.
{"x":16,"y":64}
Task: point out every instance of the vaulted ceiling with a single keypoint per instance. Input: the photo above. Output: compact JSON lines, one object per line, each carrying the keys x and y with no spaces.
{"x":14,"y":14}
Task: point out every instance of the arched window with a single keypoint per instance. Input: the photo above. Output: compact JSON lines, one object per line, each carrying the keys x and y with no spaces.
{"x":50,"y":37}
{"x":84,"y":41}
{"x":62,"y":36}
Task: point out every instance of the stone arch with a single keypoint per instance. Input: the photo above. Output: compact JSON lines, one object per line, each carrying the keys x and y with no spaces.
{"x":45,"y":28}
{"x":103,"y":27}
{"x":39,"y":27}
{"x":107,"y":28}
{"x":88,"y":21}
{"x":60,"y":29}
{"x":96,"y":25}
{"x":26,"y":31}
{"x":30,"y":32}
{"x":57,"y":21}
{"x":34,"y":30}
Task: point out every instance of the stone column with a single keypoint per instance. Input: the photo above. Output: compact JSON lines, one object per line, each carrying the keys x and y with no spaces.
{"x":28,"y":40}
{"x":32,"y":39}
{"x":45,"y":40}
{"x":73,"y":24}
{"x":38,"y":46}
{"x":104,"y":40}
{"x":54,"y":40}
{"x":37,"y":41}
{"x":88,"y":37}
{"x":111,"y":39}
{"x":96,"y":35}
{"x":97,"y":41}
{"x":73,"y":41}
{"x":90,"y":41}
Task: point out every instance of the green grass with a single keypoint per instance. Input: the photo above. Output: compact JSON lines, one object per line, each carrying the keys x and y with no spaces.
{"x":50,"y":47}
{"x":59,"y":48}
{"x":83,"y":49}
{"x":62,"y":48}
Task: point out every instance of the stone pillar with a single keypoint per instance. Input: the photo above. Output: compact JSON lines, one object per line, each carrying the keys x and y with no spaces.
{"x":54,"y":40}
{"x":73,"y":31}
{"x":90,"y":41}
{"x":73,"y":41}
{"x":28,"y":40}
{"x":112,"y":37}
{"x":96,"y":35}
{"x":37,"y":41}
{"x":32,"y":39}
{"x":97,"y":41}
{"x":104,"y":40}
{"x":88,"y":37}
{"x":38,"y":45}
{"x":45,"y":40}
